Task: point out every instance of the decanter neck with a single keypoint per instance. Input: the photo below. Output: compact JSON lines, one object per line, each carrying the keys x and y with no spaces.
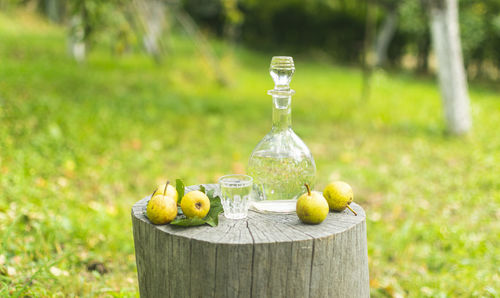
{"x":281,"y":70}
{"x":282,"y":112}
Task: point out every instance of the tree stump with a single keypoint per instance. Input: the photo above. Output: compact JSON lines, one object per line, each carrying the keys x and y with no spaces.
{"x":264,"y":255}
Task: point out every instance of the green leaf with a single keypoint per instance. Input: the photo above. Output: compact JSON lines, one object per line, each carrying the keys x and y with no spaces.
{"x":212,"y":217}
{"x":203,"y":189}
{"x":179,"y":186}
{"x":188,"y":222}
{"x":215,"y":209}
{"x":210,"y":193}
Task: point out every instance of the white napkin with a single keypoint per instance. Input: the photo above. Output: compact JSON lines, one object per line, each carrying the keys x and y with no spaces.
{"x":282,"y":206}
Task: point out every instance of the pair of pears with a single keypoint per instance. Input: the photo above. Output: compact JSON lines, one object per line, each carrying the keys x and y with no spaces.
{"x":162,"y":207}
{"x":313,"y":207}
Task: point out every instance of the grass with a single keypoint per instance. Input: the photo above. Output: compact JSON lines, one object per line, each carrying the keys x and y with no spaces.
{"x":79,"y":144}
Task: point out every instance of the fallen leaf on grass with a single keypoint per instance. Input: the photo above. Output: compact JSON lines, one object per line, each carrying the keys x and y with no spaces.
{"x":11,"y":271}
{"x":97,"y":266}
{"x":16,"y":259}
{"x":58,"y":272}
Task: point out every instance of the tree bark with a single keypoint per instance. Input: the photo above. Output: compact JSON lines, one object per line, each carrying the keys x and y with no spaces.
{"x":451,"y":72}
{"x":385,"y":36}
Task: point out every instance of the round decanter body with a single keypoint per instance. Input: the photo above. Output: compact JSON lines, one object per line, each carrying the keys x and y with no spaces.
{"x":280,"y":165}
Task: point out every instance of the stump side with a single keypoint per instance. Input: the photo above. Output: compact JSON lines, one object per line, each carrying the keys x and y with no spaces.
{"x":261,"y":256}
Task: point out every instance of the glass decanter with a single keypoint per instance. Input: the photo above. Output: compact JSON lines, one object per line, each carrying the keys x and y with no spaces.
{"x":281,"y":163}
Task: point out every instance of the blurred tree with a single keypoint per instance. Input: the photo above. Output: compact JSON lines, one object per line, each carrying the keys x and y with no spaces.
{"x":367,"y":45}
{"x":387,"y":30}
{"x":86,"y":17}
{"x":201,"y":42}
{"x":153,"y":20}
{"x":97,"y":21}
{"x":53,"y":9}
{"x":414,"y":24}
{"x":451,"y":73}
{"x":320,"y":27}
{"x":480,"y":23}
{"x":79,"y":30}
{"x":233,"y":19}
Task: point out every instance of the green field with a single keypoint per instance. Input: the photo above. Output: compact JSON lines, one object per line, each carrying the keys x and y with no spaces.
{"x":79,"y":144}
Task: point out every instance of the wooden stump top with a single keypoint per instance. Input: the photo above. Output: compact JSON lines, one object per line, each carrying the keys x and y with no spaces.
{"x":258,"y":228}
{"x":264,"y":255}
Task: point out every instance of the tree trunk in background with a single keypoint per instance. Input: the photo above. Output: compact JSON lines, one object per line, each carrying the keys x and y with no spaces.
{"x":153,"y":19}
{"x":367,"y":46}
{"x":451,"y":73}
{"x":76,"y":38}
{"x":385,"y":36}
{"x":52,"y":10}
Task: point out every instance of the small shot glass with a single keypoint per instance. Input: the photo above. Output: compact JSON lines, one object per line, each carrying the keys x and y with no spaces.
{"x":236,"y":193}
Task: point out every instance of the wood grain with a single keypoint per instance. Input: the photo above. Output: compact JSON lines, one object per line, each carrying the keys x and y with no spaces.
{"x":263,"y":255}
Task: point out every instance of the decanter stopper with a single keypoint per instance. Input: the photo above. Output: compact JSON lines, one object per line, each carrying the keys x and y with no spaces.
{"x":281,"y":70}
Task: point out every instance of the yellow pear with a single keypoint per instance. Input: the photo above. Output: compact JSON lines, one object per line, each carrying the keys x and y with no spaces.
{"x":195,"y":204}
{"x":168,"y":190}
{"x":339,"y":195}
{"x":161,"y":209}
{"x":312,"y":208}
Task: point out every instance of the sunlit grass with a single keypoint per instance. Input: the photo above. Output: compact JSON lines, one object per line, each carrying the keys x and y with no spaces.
{"x":79,"y":144}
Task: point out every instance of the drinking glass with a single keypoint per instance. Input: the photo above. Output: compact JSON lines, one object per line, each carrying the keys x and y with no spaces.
{"x":235,"y":195}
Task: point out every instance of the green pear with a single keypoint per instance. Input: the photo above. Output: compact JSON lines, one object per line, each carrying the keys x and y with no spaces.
{"x":339,"y":195}
{"x":312,"y":208}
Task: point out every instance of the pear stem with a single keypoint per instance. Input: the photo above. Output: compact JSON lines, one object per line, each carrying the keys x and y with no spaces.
{"x":165,"y":189}
{"x":308,"y":189}
{"x":352,"y":210}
